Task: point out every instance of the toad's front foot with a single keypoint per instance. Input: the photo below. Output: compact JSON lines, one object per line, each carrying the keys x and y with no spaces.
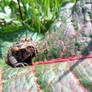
{"x":20,"y":64}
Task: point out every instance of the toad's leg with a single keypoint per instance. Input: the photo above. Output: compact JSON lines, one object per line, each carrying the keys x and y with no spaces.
{"x":22,"y":64}
{"x":13,"y":62}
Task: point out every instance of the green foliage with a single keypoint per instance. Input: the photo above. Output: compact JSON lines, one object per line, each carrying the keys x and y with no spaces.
{"x":38,"y":14}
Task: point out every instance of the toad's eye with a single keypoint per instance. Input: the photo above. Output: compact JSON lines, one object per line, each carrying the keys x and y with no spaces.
{"x":30,"y":47}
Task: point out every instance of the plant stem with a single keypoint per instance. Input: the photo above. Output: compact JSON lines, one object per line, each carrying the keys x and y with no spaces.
{"x":21,"y":15}
{"x":20,"y":11}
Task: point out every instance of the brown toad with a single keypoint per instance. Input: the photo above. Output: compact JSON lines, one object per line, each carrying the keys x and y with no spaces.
{"x":21,"y":53}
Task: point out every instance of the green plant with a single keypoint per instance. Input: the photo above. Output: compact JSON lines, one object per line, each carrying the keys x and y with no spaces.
{"x":38,"y":15}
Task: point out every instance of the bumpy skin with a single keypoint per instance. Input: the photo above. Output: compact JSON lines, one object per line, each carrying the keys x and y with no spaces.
{"x":21,"y":53}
